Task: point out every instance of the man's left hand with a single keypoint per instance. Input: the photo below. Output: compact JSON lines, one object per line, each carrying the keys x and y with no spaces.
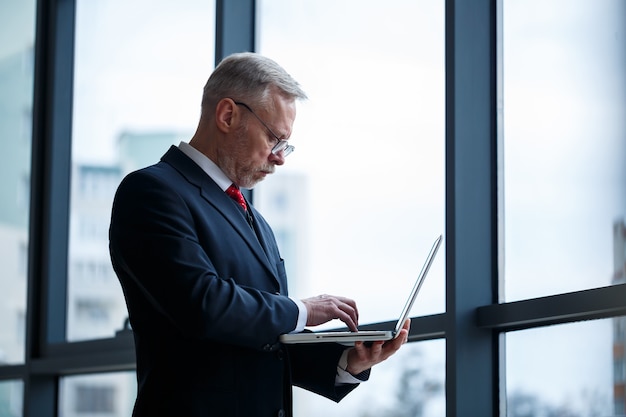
{"x":362,"y":357}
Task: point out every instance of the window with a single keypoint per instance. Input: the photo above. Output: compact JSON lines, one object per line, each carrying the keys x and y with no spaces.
{"x":151,"y":61}
{"x":11,"y":394}
{"x":410,"y":384}
{"x":95,"y":399}
{"x":566,"y":368}
{"x":564,"y":149}
{"x":363,"y":195}
{"x":564,"y":196}
{"x":372,"y":180}
{"x":17,"y":31}
{"x":105,"y":395}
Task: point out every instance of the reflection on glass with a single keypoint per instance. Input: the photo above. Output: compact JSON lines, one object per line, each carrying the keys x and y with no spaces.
{"x":358,"y":206}
{"x":572,"y":370}
{"x":564,"y":95}
{"x":110,"y":394}
{"x":410,"y":383}
{"x":11,"y":398}
{"x":139,"y":71}
{"x":17,"y":29}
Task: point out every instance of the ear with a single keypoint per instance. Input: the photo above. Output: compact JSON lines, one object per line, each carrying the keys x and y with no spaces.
{"x":226,"y":116}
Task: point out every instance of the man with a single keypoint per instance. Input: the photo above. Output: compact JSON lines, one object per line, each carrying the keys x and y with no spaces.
{"x":204,"y":283}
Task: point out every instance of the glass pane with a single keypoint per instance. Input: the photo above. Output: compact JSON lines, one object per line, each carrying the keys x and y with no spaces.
{"x":17,"y":37}
{"x":567,"y":370}
{"x":110,"y":395}
{"x":410,"y":383}
{"x":564,"y":69}
{"x":11,"y":398}
{"x":137,"y":72}
{"x":359,"y":203}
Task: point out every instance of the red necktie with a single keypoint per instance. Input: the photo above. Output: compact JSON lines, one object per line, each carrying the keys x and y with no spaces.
{"x":234,"y":193}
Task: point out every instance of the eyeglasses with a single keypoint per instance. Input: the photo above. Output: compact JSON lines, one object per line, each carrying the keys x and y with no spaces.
{"x":281,"y":144}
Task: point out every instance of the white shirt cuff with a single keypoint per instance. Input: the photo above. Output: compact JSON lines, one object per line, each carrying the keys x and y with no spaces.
{"x":302,"y":315}
{"x":343,"y":376}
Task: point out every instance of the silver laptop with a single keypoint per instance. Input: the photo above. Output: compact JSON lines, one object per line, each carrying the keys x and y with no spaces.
{"x":347,"y":337}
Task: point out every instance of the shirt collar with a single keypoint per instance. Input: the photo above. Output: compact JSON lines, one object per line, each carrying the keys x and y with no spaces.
{"x":208,"y":166}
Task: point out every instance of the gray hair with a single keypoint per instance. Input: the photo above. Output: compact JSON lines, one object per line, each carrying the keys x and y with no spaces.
{"x":250,"y":77}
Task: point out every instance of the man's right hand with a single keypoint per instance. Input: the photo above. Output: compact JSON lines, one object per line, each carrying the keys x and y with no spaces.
{"x":324,"y":308}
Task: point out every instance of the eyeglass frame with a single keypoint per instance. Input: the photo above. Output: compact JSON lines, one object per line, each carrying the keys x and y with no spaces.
{"x":281,"y":144}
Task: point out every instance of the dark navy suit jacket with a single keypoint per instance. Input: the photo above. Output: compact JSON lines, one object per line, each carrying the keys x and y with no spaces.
{"x":207,"y":300}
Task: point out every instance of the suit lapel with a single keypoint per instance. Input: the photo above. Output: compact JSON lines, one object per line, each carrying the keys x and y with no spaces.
{"x":217,"y":198}
{"x":236,"y":218}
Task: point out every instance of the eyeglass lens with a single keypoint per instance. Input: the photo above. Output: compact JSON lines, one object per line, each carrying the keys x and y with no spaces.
{"x":283,"y":146}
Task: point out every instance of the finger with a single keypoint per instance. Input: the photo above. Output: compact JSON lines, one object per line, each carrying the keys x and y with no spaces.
{"x":348,"y":319}
{"x":343,"y":309}
{"x":345,"y":304}
{"x":393,"y":345}
{"x":350,"y":302}
{"x":407,"y":324}
{"x":324,"y":308}
{"x":349,"y":315}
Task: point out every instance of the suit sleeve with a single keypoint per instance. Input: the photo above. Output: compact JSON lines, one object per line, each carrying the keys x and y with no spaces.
{"x":314,"y":368}
{"x":169,"y":276}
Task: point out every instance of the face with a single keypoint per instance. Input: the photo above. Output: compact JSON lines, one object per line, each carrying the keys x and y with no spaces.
{"x":249,"y":159}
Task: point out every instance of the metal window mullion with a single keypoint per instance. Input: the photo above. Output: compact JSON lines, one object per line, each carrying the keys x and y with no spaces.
{"x":49,"y":214}
{"x":234,"y":27}
{"x":472,"y":362}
